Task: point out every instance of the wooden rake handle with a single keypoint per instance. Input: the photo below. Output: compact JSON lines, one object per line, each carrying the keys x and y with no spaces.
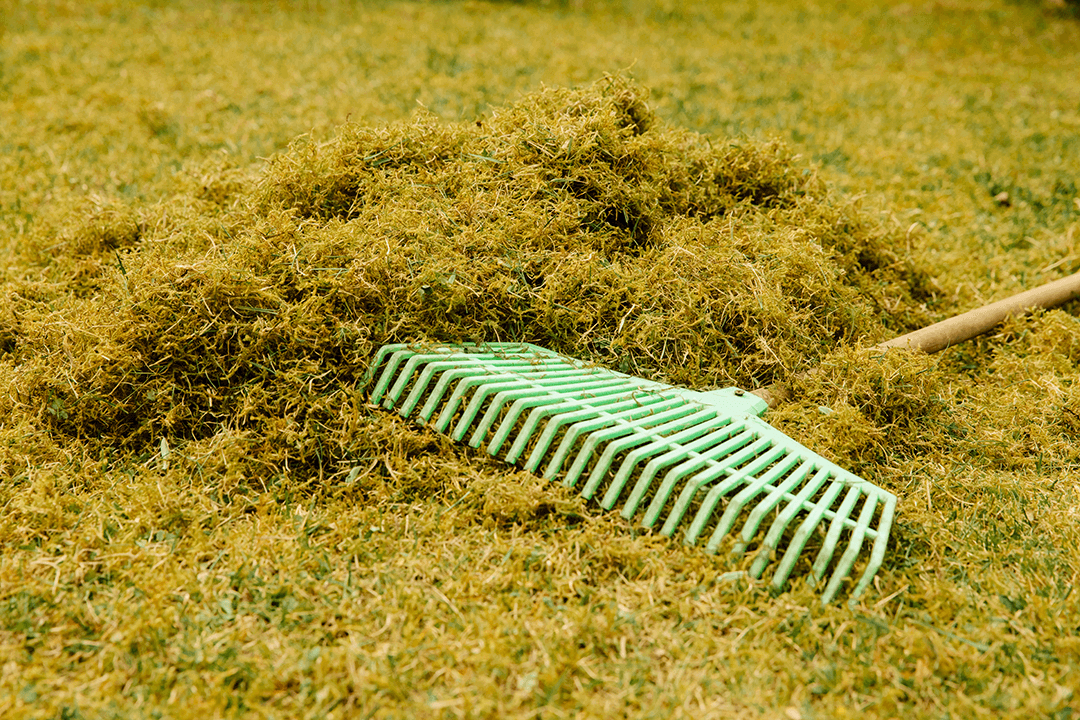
{"x":963,"y":327}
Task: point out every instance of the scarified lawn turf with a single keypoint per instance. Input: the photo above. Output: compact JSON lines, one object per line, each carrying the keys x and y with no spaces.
{"x":211,"y":215}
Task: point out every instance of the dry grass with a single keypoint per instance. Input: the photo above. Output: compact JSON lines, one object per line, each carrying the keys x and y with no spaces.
{"x":202,"y":516}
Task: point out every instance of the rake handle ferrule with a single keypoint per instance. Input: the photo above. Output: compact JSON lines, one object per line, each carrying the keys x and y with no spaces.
{"x":773,"y":394}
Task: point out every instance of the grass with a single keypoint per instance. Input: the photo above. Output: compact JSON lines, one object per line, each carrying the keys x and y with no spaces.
{"x":202,"y":515}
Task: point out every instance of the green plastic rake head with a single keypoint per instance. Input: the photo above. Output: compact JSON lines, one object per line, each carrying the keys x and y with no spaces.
{"x":697,"y":463}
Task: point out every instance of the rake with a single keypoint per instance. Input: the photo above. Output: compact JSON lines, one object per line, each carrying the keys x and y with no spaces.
{"x":702,"y":464}
{"x":682,"y":461}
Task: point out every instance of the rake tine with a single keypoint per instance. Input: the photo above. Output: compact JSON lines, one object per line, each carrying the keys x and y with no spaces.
{"x":683,"y":460}
{"x":621,"y":414}
{"x":434,"y":362}
{"x":451,"y":376}
{"x":610,"y":434}
{"x":555,"y":398}
{"x":852,"y":552}
{"x":645,"y":444}
{"x":739,"y":442}
{"x":698,"y":481}
{"x":802,"y":534}
{"x":470,"y":381}
{"x":688,"y":442}
{"x":721,"y":489}
{"x":828,"y":547}
{"x":483,"y":392}
{"x":877,"y":555}
{"x":512,"y":379}
{"x":606,"y":406}
{"x":448,"y":379}
{"x":501,"y":390}
{"x":376,"y":364}
{"x":770,"y":501}
{"x":438,"y":392}
{"x":788,"y":466}
{"x":421,"y":386}
{"x":545,"y":438}
{"x":783,"y":519}
{"x":743,"y":498}
{"x":540,"y":413}
{"x":405,"y":376}
{"x":388,"y":373}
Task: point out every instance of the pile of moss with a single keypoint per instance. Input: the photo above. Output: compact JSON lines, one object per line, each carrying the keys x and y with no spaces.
{"x":574,"y":219}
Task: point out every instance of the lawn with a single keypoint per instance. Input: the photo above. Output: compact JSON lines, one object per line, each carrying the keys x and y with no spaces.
{"x":213,"y":214}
